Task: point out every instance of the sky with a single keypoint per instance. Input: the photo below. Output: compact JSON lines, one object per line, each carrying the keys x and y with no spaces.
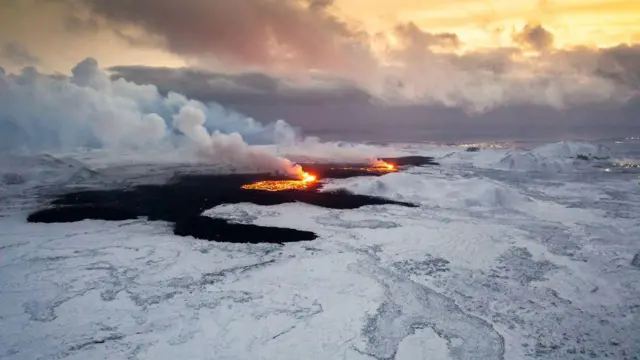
{"x":409,"y":58}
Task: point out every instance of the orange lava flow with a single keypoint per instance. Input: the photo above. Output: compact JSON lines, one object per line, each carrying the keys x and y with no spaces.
{"x":383,"y":166}
{"x":280,"y":185}
{"x":379,"y":166}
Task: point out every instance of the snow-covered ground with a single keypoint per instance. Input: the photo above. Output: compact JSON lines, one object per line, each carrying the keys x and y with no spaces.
{"x":511,"y":254}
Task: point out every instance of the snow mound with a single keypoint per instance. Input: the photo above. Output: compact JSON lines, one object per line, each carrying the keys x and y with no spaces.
{"x":41,"y":170}
{"x":557,"y":157}
{"x":483,"y":159}
{"x":459,"y":156}
{"x":449,"y":193}
{"x":529,"y":161}
{"x":573,"y":150}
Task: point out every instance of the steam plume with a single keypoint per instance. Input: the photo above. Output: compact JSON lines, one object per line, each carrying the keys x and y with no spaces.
{"x":53,"y":113}
{"x":228,"y":149}
{"x":40,"y":112}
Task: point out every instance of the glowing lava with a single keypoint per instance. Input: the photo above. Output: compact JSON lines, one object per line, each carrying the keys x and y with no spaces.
{"x":308,"y":178}
{"x":378,"y":166}
{"x":381,"y":165}
{"x":305,"y":181}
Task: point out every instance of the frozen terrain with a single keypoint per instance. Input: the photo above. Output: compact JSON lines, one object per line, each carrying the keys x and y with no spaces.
{"x":511,"y":254}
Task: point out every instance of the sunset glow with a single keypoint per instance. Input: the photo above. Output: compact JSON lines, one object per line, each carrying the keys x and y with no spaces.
{"x":481,"y":23}
{"x":477,"y":23}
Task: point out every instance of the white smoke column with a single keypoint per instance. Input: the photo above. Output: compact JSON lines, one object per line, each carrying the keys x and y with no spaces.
{"x":54,"y":113}
{"x":41,"y":112}
{"x":228,"y":149}
{"x":190,"y":121}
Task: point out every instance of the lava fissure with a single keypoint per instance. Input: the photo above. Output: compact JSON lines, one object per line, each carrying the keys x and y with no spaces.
{"x":306,"y":181}
{"x":183,"y":200}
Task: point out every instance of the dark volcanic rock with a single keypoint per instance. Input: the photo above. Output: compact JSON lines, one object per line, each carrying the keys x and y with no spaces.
{"x":472,"y":149}
{"x":636,"y":260}
{"x":344,"y":171}
{"x":183,"y":200}
{"x":411,"y":161}
{"x":203,"y":227}
{"x":339,"y":171}
{"x":590,"y":157}
{"x":67,"y":214}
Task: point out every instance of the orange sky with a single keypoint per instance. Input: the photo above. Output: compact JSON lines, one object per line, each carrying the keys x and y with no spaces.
{"x":575,"y":22}
{"x":478,"y":23}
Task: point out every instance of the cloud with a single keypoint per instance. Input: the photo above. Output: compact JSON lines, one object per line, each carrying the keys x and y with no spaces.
{"x":320,"y":4}
{"x":535,"y":37}
{"x":227,"y":149}
{"x":17,"y":54}
{"x":411,"y":35}
{"x":423,"y":123}
{"x":288,"y":38}
{"x":622,"y":63}
{"x":484,"y":79}
{"x":619,"y":64}
{"x":261,"y":33}
{"x":476,"y":81}
{"x":279,"y":51}
{"x":249,"y":87}
{"x":40,"y":112}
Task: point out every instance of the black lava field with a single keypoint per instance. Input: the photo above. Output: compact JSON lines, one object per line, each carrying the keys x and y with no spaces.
{"x":182,"y":200}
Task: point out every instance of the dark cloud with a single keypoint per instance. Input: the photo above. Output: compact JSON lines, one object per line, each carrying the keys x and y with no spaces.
{"x":367,"y":122}
{"x":338,"y":110}
{"x":290,"y":42}
{"x":495,"y":61}
{"x":474,"y":81}
{"x":75,"y":23}
{"x":17,"y":54}
{"x":412,"y":36}
{"x":245,"y":88}
{"x":620,"y":64}
{"x":320,"y":4}
{"x":623,"y":63}
{"x":534,"y":37}
{"x":484,"y":79}
{"x":75,"y":16}
{"x":266,"y":33}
